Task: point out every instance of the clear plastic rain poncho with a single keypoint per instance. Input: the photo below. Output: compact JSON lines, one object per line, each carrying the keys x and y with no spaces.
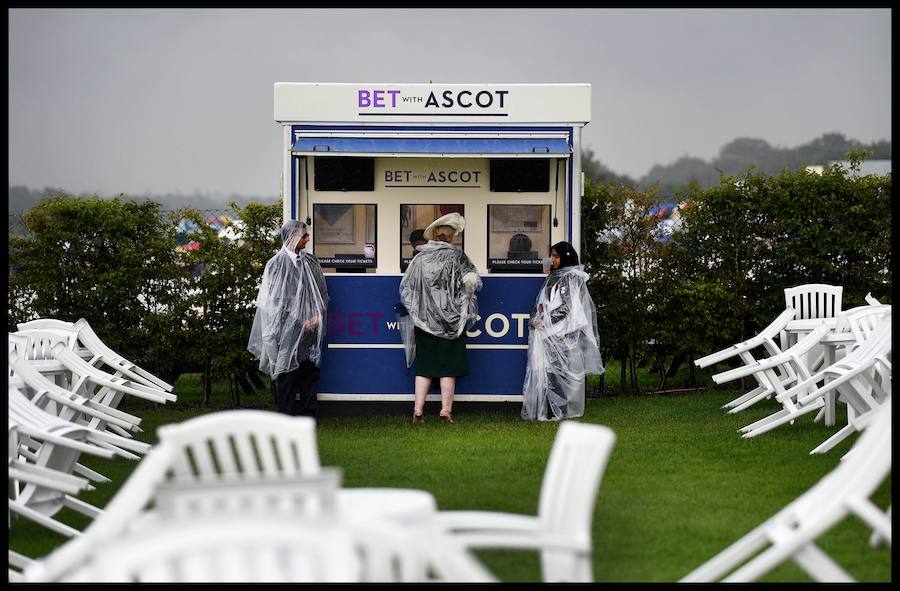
{"x":438,"y":294}
{"x":563,"y":345}
{"x":290,"y":307}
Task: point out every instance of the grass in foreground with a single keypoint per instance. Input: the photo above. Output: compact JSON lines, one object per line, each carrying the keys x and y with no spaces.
{"x":680,"y":486}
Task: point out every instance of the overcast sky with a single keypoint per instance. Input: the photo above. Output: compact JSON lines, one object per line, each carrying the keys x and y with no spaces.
{"x":155,"y":101}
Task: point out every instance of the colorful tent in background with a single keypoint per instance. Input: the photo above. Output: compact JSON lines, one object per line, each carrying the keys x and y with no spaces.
{"x":669,"y":218}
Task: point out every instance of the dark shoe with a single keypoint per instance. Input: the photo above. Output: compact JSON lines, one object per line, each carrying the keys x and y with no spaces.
{"x":418,"y":417}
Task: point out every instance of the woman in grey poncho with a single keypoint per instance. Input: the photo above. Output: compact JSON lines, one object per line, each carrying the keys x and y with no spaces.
{"x":438,"y":291}
{"x":563,"y":343}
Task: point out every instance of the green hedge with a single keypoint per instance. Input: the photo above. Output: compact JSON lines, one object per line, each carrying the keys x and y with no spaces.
{"x":720,"y":278}
{"x":715,"y":281}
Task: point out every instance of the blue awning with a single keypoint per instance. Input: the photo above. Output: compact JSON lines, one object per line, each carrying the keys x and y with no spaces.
{"x":428,"y":146}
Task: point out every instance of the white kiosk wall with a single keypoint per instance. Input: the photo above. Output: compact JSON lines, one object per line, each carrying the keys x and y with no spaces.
{"x":367,"y":162}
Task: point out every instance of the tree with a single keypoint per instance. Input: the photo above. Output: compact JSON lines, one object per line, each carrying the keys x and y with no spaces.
{"x":110,"y":261}
{"x":224,"y":292}
{"x":620,"y":248}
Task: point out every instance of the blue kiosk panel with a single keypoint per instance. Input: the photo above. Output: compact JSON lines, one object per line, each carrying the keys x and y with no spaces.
{"x":363,"y":356}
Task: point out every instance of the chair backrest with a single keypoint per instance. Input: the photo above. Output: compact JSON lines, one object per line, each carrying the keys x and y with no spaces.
{"x":46,"y":323}
{"x":242,"y":444}
{"x":865,"y":322}
{"x":39,"y":343}
{"x":572,"y":478}
{"x":814,"y":300}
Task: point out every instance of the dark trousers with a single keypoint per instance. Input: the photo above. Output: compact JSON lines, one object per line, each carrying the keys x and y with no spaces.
{"x":297,"y":389}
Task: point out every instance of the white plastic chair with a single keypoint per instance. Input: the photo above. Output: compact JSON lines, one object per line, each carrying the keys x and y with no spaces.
{"x":562,"y":528}
{"x":228,"y":466}
{"x":791,"y":533}
{"x":270,"y":549}
{"x":99,"y":354}
{"x":766,"y":340}
{"x":22,"y":473}
{"x":68,"y":405}
{"x":111,"y":388}
{"x":239,"y":446}
{"x":50,"y":442}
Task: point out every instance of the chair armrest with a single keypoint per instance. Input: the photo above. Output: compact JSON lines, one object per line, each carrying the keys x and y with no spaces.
{"x":485,"y":520}
{"x":521,"y":540}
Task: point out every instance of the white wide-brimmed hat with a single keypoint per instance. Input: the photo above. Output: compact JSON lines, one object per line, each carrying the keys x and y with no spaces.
{"x":454,"y":220}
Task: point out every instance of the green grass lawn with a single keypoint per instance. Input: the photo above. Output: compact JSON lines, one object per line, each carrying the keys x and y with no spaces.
{"x":680,"y":485}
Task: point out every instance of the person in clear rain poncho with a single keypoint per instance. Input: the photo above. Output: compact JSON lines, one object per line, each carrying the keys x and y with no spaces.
{"x":563,"y":343}
{"x":289,"y":325}
{"x":438,"y":294}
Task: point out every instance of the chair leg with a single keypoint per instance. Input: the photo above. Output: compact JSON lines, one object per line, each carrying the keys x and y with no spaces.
{"x":877,"y":540}
{"x":744,"y":397}
{"x":764,"y":421}
{"x":790,"y":417}
{"x":833,"y":440}
{"x":821,"y":567}
{"x":566,"y":567}
{"x":750,"y":402}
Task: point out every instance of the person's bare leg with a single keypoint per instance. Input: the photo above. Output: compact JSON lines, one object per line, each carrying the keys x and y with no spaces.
{"x":422,"y":385}
{"x":448,"y":389}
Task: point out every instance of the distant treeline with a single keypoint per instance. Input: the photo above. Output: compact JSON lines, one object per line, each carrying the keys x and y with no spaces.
{"x":22,"y":198}
{"x":734,"y":158}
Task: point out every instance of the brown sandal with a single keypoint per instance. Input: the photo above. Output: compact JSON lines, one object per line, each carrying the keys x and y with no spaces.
{"x":447,"y":416}
{"x":418,"y":417}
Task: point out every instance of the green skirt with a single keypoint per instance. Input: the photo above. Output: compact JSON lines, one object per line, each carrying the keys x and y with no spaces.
{"x":440,"y":358}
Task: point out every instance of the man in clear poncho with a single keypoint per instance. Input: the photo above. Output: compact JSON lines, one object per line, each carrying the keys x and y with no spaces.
{"x":438,"y":294}
{"x":289,"y":325}
{"x":563,"y":344}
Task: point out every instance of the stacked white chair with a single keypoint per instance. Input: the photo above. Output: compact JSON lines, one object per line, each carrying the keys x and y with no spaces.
{"x":807,"y":307}
{"x":561,"y":530}
{"x":771,"y":373}
{"x":22,"y":473}
{"x":862,"y":377}
{"x":792,"y":532}
{"x":62,"y":405}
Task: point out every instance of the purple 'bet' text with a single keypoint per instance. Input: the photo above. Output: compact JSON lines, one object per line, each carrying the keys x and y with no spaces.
{"x":376,"y":98}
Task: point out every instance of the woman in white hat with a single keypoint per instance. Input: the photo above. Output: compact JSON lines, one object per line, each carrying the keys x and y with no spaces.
{"x":438,"y":291}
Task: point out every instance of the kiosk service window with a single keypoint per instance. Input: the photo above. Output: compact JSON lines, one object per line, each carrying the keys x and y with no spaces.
{"x":519,"y":237}
{"x":345,"y":238}
{"x":418,"y":217}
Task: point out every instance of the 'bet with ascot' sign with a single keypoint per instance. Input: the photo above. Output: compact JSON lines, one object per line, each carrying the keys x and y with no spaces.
{"x":537,"y":103}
